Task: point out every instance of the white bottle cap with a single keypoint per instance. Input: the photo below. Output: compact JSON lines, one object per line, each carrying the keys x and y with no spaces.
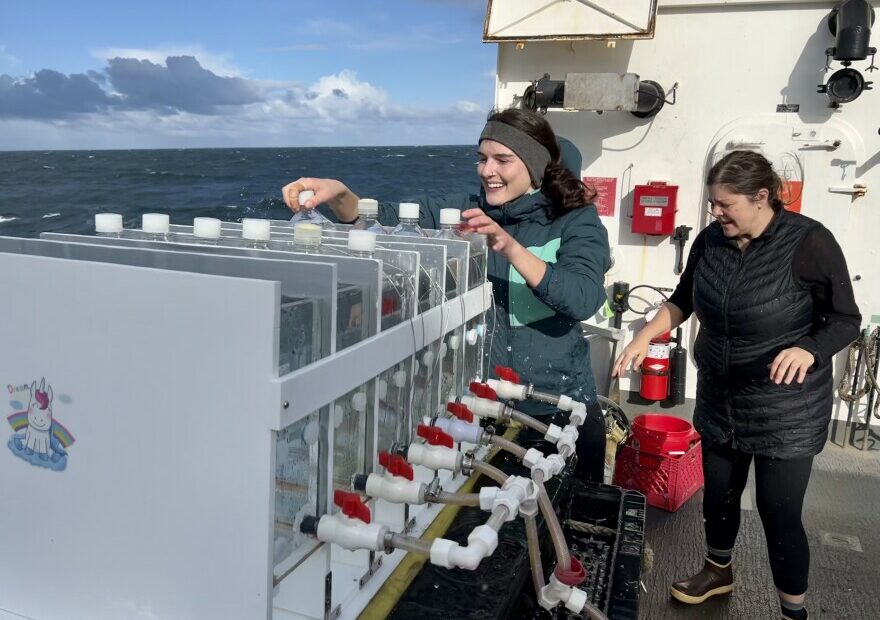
{"x":362,"y":241}
{"x":307,"y":234}
{"x":155,"y":223}
{"x":368,"y":206}
{"x":206,"y":227}
{"x":108,"y":223}
{"x":255,"y":229}
{"x":450,"y":216}
{"x":305,"y":196}
{"x":408,"y":210}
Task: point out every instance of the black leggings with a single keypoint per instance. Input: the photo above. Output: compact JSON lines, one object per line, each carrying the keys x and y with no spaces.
{"x":780,"y":489}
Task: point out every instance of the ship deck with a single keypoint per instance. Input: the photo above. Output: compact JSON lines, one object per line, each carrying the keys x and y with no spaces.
{"x":842,"y":521}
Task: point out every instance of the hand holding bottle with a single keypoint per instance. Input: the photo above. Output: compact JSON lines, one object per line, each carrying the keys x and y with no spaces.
{"x":337,"y":196}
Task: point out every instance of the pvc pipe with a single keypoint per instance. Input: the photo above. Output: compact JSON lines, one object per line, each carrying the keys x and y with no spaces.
{"x":457,"y":499}
{"x":518,"y":451}
{"x":408,"y":543}
{"x":563,"y":558}
{"x":491,"y":471}
{"x":529,"y":421}
{"x":534,"y":554}
{"x":499,"y":516}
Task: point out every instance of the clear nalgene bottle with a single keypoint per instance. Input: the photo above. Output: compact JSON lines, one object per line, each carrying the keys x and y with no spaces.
{"x":307,"y":238}
{"x":206,"y":230}
{"x":368,"y":212}
{"x":310,"y":216}
{"x":108,"y":225}
{"x":255,"y":233}
{"x":449,"y":223}
{"x":155,"y":226}
{"x":362,"y":243}
{"x":408,"y":212}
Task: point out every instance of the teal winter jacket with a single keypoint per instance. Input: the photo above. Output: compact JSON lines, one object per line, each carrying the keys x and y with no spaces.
{"x":536,"y":331}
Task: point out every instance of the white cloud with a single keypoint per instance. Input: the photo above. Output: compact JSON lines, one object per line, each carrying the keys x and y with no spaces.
{"x":221,"y":64}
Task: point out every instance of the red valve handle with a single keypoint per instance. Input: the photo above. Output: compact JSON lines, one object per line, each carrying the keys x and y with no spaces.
{"x":482,"y":390}
{"x":396,"y":465}
{"x":460,"y":411}
{"x":507,"y":374}
{"x":434,"y":436}
{"x":351,"y":505}
{"x":573,"y":577}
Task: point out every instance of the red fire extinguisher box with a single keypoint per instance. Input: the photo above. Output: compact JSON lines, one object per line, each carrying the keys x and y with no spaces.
{"x":654,"y":207}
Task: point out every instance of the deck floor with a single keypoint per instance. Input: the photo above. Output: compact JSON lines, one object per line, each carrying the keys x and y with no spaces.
{"x":842,"y":520}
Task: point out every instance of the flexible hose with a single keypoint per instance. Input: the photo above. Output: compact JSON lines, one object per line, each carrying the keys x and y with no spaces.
{"x":491,"y":471}
{"x":516,"y":450}
{"x":408,"y":543}
{"x":457,"y":499}
{"x":534,"y":554}
{"x":544,"y":397}
{"x":529,"y":421}
{"x":499,"y":516}
{"x":563,"y":559}
{"x":593,"y":612}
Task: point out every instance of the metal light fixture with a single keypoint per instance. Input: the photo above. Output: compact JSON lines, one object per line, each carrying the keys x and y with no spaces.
{"x":599,"y":92}
{"x":850,"y":23}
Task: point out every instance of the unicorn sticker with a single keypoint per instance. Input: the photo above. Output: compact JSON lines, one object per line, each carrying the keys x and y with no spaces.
{"x":37,"y":437}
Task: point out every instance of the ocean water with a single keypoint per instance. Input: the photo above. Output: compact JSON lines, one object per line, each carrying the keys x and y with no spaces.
{"x":60,"y":191}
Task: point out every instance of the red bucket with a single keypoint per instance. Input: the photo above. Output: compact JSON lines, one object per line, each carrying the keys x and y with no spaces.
{"x":655,"y":433}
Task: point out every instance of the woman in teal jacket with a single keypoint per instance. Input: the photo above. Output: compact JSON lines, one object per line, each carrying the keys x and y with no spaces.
{"x":547,"y":264}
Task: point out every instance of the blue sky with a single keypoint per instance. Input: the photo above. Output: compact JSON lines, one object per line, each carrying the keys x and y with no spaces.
{"x":192,"y":73}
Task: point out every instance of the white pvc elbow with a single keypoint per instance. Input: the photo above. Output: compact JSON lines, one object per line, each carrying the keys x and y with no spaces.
{"x":549,"y":466}
{"x":508,"y":390}
{"x":578,"y":414}
{"x":483,"y":407}
{"x":351,"y":534}
{"x":482,"y":543}
{"x":460,"y":430}
{"x":434,"y":457}
{"x":556,"y":592}
{"x":567,"y":440}
{"x":395,"y":489}
{"x":516,"y":492}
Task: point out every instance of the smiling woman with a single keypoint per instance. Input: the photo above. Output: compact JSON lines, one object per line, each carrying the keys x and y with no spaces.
{"x":549,"y":256}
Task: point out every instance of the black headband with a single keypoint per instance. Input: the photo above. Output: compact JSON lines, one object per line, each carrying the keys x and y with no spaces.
{"x":533,"y":154}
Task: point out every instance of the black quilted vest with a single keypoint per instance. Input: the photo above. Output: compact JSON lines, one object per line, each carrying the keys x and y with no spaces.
{"x":751,"y":307}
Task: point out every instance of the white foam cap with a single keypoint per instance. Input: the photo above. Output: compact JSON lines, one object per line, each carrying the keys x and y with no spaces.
{"x":307,"y":234}
{"x":155,"y":223}
{"x":206,"y":227}
{"x":368,"y":206}
{"x":450,"y":216}
{"x":305,"y":196}
{"x":408,"y":210}
{"x":108,"y":222}
{"x":362,"y":241}
{"x":255,"y":229}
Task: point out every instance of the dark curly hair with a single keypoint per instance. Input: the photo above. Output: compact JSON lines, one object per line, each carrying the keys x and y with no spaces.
{"x":747,"y":173}
{"x":559,"y":184}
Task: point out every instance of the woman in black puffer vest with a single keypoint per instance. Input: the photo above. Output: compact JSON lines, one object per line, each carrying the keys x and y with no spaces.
{"x":773,"y":297}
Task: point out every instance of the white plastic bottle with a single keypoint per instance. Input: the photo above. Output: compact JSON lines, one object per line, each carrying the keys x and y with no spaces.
{"x":368,"y":211}
{"x":408,"y":212}
{"x":155,"y":226}
{"x":310,"y":216}
{"x":361,"y":243}
{"x":255,"y":233}
{"x":108,"y":225}
{"x":307,"y":238}
{"x":206,"y":230}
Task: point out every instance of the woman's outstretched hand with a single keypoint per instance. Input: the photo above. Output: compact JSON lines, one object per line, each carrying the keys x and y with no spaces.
{"x":791,"y":364}
{"x":632,"y":355}
{"x":330,"y":191}
{"x":499,"y":239}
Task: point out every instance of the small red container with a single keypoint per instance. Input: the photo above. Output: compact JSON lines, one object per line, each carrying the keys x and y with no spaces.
{"x":656,"y":433}
{"x":667,"y":482}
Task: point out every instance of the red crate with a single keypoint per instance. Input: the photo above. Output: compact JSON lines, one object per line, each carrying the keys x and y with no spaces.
{"x":666,"y":481}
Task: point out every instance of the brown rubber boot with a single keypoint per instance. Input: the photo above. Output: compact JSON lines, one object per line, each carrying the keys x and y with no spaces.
{"x":714,"y":579}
